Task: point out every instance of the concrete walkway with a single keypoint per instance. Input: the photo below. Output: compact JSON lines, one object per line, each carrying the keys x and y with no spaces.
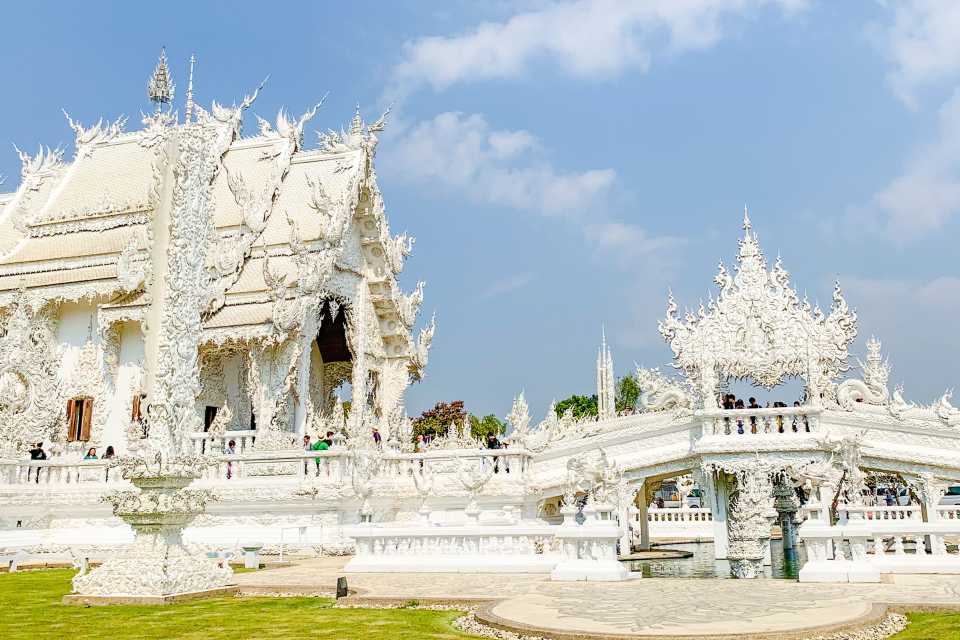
{"x":647,"y":607}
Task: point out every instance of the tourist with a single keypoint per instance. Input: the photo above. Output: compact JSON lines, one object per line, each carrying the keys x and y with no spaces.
{"x":781,"y":405}
{"x":377,"y":438}
{"x":728,"y":401}
{"x":110,"y":453}
{"x":798,"y":417}
{"x":306,"y":447}
{"x":739,"y":405}
{"x":329,"y":439}
{"x":494,"y":443}
{"x":37,"y":453}
{"x":91,"y":454}
{"x":230,"y":450}
{"x":321,"y":445}
{"x":753,"y":419}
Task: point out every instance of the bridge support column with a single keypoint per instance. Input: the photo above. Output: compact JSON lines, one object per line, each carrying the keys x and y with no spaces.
{"x":718,"y":492}
{"x":644,"y":491}
{"x":626,"y":499}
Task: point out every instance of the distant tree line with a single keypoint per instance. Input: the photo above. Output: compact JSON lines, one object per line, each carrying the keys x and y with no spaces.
{"x":436,"y":421}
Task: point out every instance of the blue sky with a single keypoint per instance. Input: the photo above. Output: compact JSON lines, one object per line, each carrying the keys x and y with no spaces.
{"x":563,"y":163}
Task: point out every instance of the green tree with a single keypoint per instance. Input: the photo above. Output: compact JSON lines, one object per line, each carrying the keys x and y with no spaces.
{"x":482,"y":427}
{"x":436,"y":421}
{"x":628,"y":393}
{"x":582,"y":406}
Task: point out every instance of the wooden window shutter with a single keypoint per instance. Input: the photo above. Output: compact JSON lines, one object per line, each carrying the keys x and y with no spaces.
{"x":85,"y":421}
{"x":135,"y":414}
{"x":71,"y":420}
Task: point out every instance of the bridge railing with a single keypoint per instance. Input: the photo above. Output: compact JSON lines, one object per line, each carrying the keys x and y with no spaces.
{"x":684,"y":522}
{"x":334,"y":465}
{"x":882,"y":514}
{"x":762,"y":421}
{"x":861,"y":548}
{"x":57,"y":472}
{"x":217,"y":442}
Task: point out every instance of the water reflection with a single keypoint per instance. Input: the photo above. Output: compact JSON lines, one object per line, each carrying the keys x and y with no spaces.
{"x":702,"y":564}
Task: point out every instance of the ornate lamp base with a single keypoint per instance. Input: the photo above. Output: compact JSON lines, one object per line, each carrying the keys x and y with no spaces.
{"x":157,"y":567}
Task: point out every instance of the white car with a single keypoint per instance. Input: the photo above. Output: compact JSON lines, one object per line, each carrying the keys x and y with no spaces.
{"x":952,"y":497}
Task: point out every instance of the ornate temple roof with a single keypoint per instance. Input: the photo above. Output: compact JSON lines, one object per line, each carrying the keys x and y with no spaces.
{"x":758,"y":328}
{"x":80,"y":228}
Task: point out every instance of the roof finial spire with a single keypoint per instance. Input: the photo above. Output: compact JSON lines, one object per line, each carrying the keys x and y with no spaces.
{"x":188,"y":110}
{"x":357,"y":125}
{"x":746,"y":219}
{"x":160,"y":87}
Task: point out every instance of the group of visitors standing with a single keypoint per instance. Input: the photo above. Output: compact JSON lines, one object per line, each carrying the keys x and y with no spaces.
{"x":37,"y":452}
{"x":731,"y":402}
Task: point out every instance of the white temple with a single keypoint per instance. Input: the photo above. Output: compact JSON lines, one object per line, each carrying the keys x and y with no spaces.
{"x":176,"y":289}
{"x":294,"y":261}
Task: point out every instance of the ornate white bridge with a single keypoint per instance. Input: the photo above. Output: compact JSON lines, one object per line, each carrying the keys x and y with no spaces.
{"x":748,"y":462}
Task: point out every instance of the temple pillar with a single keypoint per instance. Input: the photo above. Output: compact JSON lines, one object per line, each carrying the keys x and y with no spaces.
{"x":625,"y":499}
{"x":644,"y":492}
{"x":750,"y":514}
{"x":300,"y":411}
{"x":787,"y":506}
{"x":273,"y":376}
{"x":718,"y":496}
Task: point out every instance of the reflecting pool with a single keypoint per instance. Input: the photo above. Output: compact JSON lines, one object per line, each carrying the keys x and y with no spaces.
{"x":702,"y":564}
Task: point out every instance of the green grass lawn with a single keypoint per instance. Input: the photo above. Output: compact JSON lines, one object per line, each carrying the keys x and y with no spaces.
{"x":931,"y":626}
{"x":30,"y":608}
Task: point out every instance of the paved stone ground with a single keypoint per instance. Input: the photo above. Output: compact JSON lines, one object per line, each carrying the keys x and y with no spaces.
{"x":660,"y":606}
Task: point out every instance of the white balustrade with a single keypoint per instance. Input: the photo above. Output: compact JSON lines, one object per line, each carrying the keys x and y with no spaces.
{"x":217,"y":443}
{"x":588,"y":551}
{"x":948,"y":512}
{"x":762,"y":421}
{"x":56,"y":471}
{"x":861,"y":550}
{"x":671,"y":523}
{"x":522,"y":548}
{"x":881,"y":514}
{"x":246,"y":464}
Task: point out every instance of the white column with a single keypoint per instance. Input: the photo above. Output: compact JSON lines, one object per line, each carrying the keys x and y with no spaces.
{"x":644,"y":524}
{"x":300,"y":416}
{"x":623,"y":515}
{"x":719,"y":499}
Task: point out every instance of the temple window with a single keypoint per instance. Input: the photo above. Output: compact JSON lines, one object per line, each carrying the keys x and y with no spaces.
{"x":135,"y":413}
{"x":79,"y":415}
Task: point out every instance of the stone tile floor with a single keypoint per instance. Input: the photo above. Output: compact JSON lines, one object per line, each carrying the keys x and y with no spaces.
{"x":658,"y":606}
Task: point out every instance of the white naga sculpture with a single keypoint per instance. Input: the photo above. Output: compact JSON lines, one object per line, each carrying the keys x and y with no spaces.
{"x":873,"y":388}
{"x":660,"y":393}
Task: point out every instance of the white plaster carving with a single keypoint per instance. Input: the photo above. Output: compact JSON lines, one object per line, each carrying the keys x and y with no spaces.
{"x":758,"y":328}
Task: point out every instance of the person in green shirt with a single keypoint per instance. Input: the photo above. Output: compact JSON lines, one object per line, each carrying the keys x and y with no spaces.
{"x":319,"y":445}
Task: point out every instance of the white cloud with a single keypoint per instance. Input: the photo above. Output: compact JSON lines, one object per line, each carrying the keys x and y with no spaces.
{"x":926,"y":194}
{"x":630,"y":245}
{"x":463,"y":153}
{"x":922,"y":43}
{"x":586,"y":38}
{"x":506,"y":285}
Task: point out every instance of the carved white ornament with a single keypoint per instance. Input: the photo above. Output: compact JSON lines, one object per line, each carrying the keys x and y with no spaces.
{"x":758,"y":329}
